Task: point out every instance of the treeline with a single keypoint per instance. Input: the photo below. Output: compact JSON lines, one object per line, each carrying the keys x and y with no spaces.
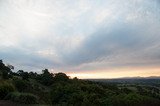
{"x":58,"y":89}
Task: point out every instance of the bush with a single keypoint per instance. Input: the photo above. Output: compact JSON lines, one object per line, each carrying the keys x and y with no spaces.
{"x":5,"y":88}
{"x":23,"y":98}
{"x":133,"y":99}
{"x":21,"y":85}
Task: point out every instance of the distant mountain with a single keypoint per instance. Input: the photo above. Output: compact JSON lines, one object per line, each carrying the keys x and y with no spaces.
{"x":138,"y":77}
{"x":150,"y":79}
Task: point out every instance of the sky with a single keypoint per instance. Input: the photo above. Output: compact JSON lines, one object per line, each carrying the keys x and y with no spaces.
{"x":83,"y":38}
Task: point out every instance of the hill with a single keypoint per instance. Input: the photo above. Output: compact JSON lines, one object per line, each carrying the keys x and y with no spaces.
{"x":58,"y":89}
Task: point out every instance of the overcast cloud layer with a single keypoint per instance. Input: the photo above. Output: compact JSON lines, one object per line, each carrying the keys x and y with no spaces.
{"x":79,"y":35}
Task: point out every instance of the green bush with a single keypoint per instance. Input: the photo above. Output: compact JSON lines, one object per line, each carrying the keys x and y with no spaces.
{"x":21,"y":85}
{"x":5,"y":88}
{"x":133,"y":99}
{"x":23,"y":98}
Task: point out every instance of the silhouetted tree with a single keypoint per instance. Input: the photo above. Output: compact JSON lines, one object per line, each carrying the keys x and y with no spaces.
{"x":19,"y":72}
{"x":4,"y":70}
{"x":33,"y":75}
{"x":23,"y":74}
{"x":61,"y":77}
{"x":45,"y":78}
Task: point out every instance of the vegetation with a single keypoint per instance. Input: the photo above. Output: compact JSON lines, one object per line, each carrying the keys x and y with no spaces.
{"x":5,"y":88}
{"x":23,"y":98}
{"x":59,"y":90}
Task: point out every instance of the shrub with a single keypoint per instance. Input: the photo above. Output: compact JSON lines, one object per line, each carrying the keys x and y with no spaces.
{"x":133,"y":99}
{"x":21,"y":85}
{"x":5,"y":88}
{"x":23,"y":98}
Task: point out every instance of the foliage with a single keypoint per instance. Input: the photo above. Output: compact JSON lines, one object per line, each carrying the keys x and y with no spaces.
{"x":133,"y":99}
{"x":61,"y":77}
{"x":23,"y":74}
{"x":4,"y":70}
{"x":60,"y":90}
{"x":5,"y":88}
{"x":23,"y":98}
{"x":77,"y":94}
{"x":21,"y":85}
{"x":45,"y":78}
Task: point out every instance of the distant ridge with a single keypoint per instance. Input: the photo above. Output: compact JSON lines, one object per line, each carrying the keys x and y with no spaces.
{"x":150,"y":79}
{"x":138,"y":77}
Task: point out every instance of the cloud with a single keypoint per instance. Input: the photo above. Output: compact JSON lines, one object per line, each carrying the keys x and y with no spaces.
{"x":80,"y":35}
{"x":122,"y":43}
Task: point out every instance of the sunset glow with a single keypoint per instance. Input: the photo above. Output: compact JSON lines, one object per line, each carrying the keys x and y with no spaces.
{"x":117,"y":73}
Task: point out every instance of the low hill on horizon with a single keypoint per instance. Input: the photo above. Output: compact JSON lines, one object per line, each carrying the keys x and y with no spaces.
{"x":58,"y":89}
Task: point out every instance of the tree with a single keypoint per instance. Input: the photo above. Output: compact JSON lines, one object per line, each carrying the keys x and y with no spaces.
{"x":61,"y":77}
{"x":33,"y":75}
{"x":4,"y":70}
{"x":23,"y":74}
{"x":10,"y":66}
{"x":19,"y":72}
{"x":46,"y":78}
{"x":45,"y":71}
